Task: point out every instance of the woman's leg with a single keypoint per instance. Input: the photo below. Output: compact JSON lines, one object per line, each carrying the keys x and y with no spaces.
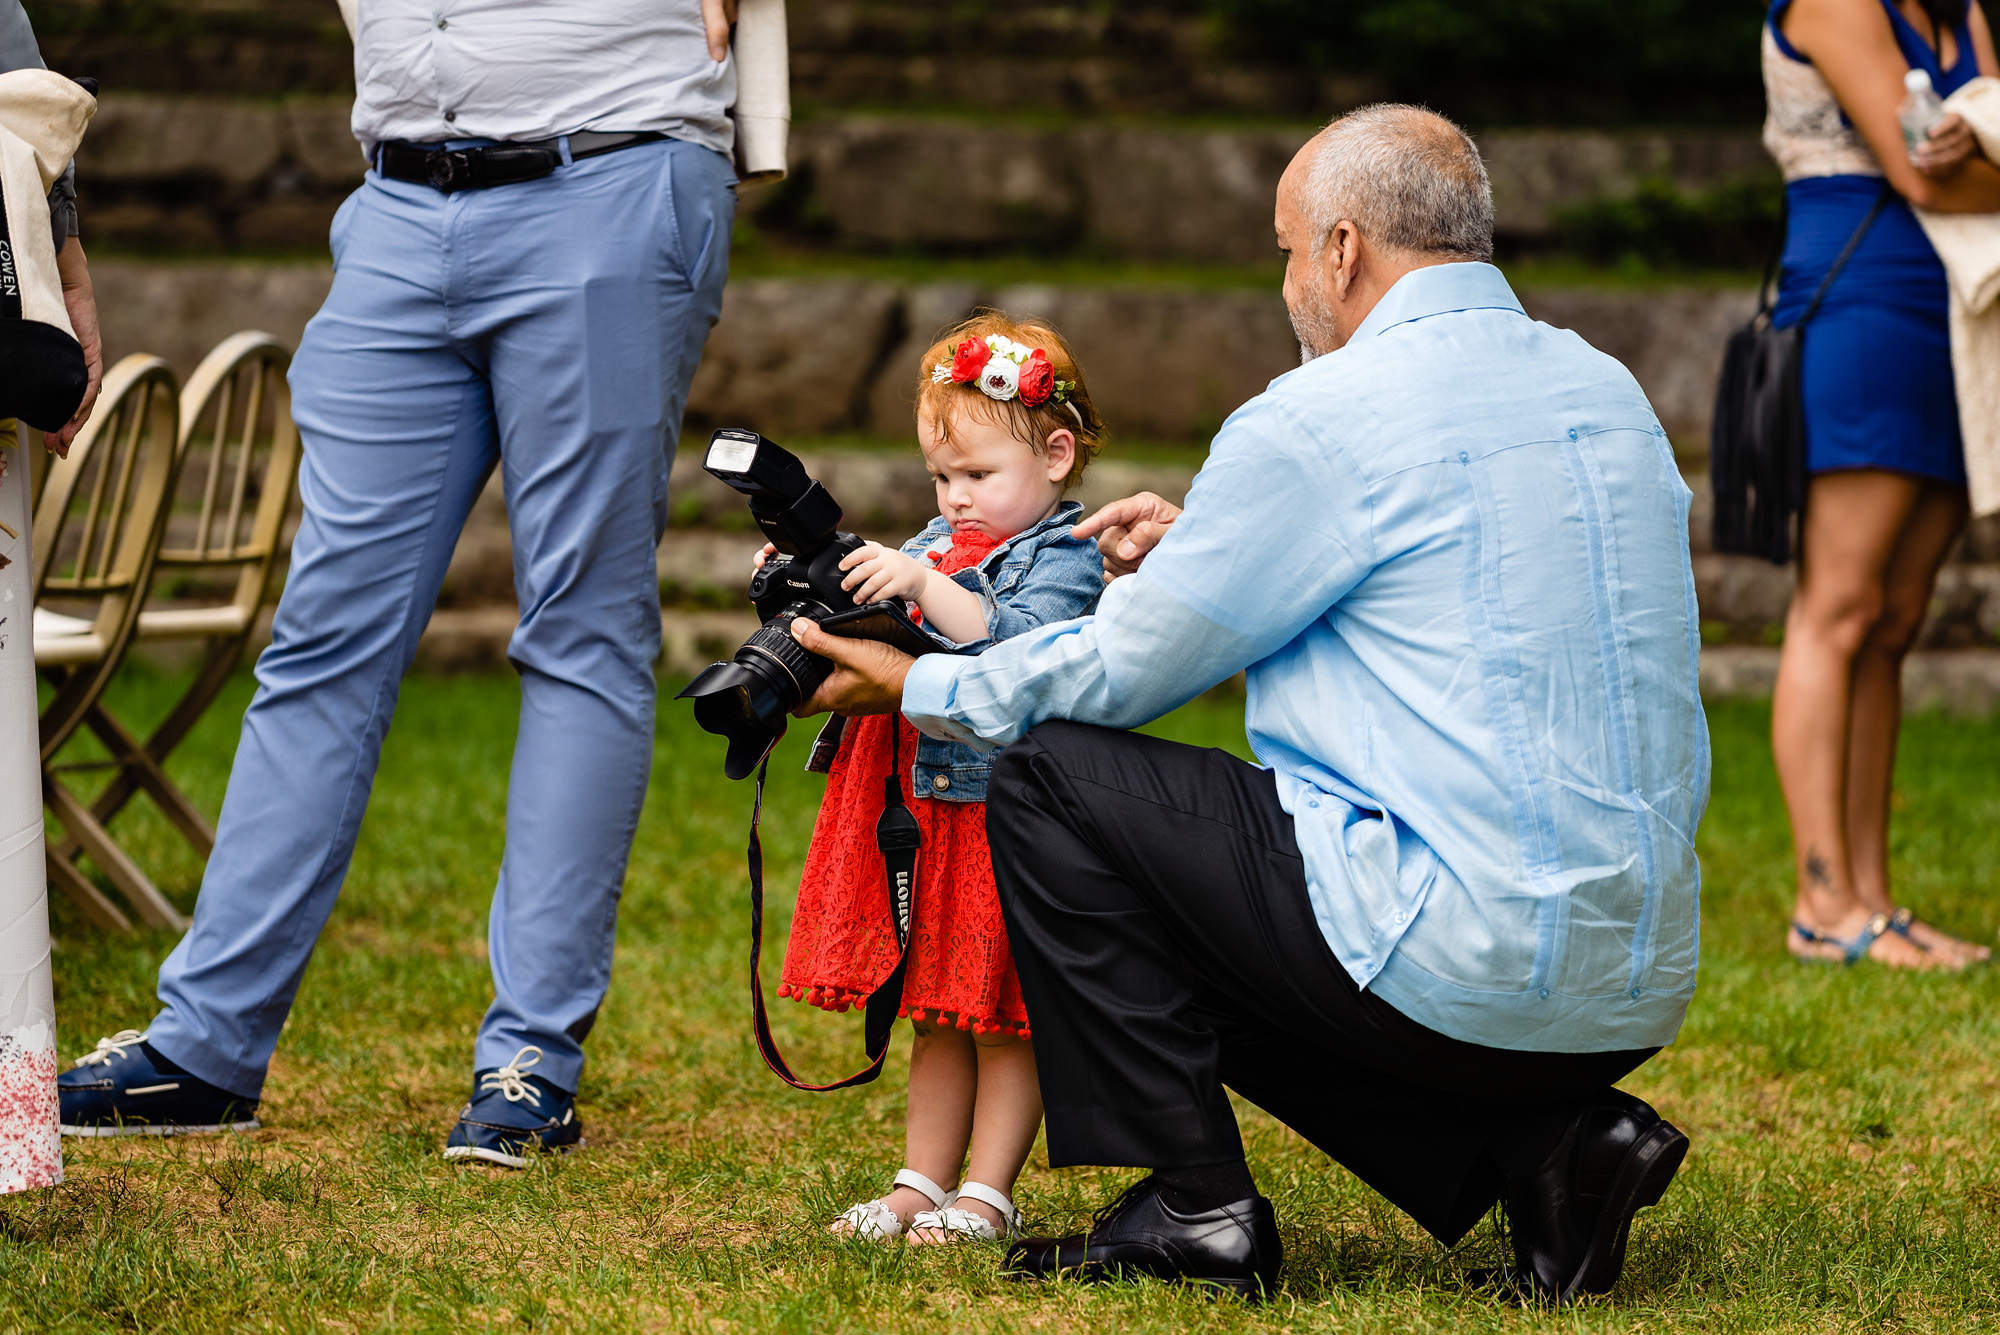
{"x":1853,"y":523}
{"x":1933,"y":526}
{"x":938,"y":1121}
{"x":1004,"y":1121}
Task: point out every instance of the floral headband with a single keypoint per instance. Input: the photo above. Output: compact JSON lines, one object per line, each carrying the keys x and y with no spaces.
{"x":1003,"y":369}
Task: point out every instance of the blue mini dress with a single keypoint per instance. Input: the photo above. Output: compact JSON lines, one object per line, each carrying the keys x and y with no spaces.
{"x":1876,"y":358}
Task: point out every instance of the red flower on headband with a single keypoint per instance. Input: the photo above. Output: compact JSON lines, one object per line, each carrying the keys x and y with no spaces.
{"x":1038,"y":379}
{"x":969,"y":360}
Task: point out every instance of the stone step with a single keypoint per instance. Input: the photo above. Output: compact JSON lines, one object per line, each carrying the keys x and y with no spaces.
{"x":474,"y":639}
{"x":1038,"y":57}
{"x":1165,"y":361}
{"x":1963,"y":681}
{"x":198,"y":174}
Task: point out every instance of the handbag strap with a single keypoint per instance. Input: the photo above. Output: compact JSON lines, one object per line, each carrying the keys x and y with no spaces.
{"x":1766,"y":287}
{"x":898,"y":837}
{"x":1847,"y":251}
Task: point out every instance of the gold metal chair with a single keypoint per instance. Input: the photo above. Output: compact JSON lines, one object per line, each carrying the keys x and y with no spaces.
{"x":98,"y":523}
{"x":243,"y":483}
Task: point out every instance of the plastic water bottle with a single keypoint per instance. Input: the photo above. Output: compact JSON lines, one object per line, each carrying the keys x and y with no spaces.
{"x":1921,"y":110}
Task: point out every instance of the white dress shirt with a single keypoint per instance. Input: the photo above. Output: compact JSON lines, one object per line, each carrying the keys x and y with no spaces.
{"x":427,"y":71}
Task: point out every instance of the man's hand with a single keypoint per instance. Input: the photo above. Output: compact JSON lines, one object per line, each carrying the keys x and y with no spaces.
{"x":81,"y":303}
{"x":867,"y":675}
{"x":1950,"y":146}
{"x":1126,"y":530}
{"x":716,"y":17}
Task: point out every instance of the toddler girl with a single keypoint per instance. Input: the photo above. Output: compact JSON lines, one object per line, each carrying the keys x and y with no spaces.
{"x":1006,"y":428}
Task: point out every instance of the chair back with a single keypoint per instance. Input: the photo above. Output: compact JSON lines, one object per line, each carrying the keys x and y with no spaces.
{"x":240,"y":460}
{"x":97,"y":531}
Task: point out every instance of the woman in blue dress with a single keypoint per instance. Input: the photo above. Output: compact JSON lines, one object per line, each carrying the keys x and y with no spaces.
{"x":1886,"y":490}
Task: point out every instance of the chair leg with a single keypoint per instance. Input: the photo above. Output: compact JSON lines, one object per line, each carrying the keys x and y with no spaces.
{"x":141,"y":767}
{"x":64,"y":875}
{"x":139,"y":771}
{"x":97,"y":843}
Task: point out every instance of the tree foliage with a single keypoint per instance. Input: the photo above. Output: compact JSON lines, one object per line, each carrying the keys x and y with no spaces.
{"x":1661,"y":61}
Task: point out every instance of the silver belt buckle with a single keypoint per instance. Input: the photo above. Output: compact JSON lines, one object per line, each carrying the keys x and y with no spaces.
{"x":449,"y":169}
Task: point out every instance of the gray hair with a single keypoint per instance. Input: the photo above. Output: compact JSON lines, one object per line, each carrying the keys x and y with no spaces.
{"x":1409,"y":179}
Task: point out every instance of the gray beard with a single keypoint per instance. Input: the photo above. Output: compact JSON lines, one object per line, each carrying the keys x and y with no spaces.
{"x":1314,"y":331}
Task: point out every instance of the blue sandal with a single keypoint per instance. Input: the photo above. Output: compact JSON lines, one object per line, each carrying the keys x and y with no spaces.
{"x":1850,"y":950}
{"x":1899,"y":923}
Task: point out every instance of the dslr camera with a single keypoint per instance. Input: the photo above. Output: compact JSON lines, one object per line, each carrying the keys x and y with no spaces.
{"x":748,"y":699}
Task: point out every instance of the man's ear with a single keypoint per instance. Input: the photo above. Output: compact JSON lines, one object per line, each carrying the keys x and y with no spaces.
{"x":1060,"y":451}
{"x":1341,"y":260}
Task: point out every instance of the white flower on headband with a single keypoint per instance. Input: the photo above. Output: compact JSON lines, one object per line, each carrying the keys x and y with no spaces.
{"x":1000,"y":378}
{"x":941,"y":373}
{"x":1003,"y":346}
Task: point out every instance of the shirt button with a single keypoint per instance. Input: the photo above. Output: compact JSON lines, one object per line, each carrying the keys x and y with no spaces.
{"x":1543,"y":994}
{"x":1313,"y":802}
{"x":1464,"y":458}
{"x":1635,"y":994}
{"x":941,"y":782}
{"x":1572,"y":433}
{"x":443,"y":24}
{"x":451,"y":115}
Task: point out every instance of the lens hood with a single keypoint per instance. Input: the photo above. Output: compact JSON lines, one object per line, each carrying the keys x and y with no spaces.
{"x":743,"y":703}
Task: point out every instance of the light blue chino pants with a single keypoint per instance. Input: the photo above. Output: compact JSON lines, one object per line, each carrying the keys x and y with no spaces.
{"x":550,"y":327}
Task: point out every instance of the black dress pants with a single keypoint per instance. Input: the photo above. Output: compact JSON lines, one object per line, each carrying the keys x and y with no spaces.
{"x":1156,"y":903}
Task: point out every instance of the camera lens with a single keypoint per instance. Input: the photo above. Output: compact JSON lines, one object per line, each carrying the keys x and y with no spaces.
{"x":774,"y":640}
{"x":746,"y":700}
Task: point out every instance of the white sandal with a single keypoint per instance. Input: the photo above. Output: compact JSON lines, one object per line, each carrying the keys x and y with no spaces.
{"x":948,"y":1218}
{"x":874,"y":1221}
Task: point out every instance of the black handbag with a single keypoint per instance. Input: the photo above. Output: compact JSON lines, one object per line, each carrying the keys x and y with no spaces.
{"x":1757,"y":438}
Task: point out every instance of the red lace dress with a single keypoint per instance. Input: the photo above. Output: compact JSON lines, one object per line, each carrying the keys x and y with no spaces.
{"x":843,"y":945}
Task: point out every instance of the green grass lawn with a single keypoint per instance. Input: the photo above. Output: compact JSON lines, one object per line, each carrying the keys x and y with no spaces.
{"x":1845,"y":1173}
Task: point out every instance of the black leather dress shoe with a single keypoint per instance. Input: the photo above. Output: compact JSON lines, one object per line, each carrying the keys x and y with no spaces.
{"x":1570,"y":1218}
{"x":1234,"y":1246}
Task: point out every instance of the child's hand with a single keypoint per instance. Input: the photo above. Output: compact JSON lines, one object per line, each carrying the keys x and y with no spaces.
{"x":757,"y":561}
{"x":874,"y":573}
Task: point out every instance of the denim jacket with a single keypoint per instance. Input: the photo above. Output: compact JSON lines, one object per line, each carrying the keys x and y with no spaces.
{"x":1037,"y":577}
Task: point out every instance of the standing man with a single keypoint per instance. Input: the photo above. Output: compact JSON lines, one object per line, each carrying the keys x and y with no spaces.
{"x":525,"y":280}
{"x":1460,"y":902}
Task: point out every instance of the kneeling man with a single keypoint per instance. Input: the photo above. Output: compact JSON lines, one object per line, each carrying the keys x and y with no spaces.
{"x":1459,"y":900}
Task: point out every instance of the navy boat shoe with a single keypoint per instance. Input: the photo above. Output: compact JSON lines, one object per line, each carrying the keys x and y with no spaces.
{"x":124,"y":1087}
{"x":513,"y":1114}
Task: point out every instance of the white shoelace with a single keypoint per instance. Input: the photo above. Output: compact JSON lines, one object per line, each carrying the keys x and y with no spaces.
{"x":508,"y":1079}
{"x":114,"y":1046}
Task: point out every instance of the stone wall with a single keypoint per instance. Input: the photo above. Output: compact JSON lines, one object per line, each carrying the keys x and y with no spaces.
{"x":1153,"y":192}
{"x":203,"y":174}
{"x":1138,"y":57}
{"x":1165,"y":362}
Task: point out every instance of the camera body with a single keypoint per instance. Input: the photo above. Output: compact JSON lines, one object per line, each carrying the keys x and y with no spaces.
{"x":748,"y":699}
{"x":785,"y":579}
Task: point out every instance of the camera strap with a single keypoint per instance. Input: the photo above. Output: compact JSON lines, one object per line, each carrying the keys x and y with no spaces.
{"x":897,"y":836}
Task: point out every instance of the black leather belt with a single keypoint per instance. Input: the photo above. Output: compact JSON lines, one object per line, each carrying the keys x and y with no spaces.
{"x":453,"y":169}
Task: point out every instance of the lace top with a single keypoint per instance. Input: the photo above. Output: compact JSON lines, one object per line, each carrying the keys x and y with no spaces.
{"x":1804,"y":127}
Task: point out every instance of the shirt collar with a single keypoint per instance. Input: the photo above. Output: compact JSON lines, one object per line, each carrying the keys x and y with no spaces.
{"x":1435,"y":290}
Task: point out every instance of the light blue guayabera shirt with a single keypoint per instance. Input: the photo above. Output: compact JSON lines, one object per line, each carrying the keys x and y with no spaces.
{"x":1453,"y":558}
